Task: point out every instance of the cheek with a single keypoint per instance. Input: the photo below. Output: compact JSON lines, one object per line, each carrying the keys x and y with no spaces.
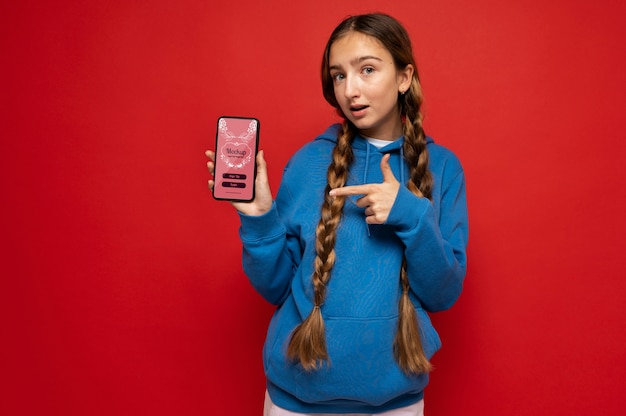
{"x":338,"y":93}
{"x":384,"y":96}
{"x":381,"y":91}
{"x":341,"y":98}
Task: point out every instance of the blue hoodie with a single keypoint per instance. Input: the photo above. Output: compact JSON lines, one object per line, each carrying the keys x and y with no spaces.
{"x":361,"y":306}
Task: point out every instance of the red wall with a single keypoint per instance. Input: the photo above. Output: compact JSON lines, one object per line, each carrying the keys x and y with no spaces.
{"x":122,"y":286}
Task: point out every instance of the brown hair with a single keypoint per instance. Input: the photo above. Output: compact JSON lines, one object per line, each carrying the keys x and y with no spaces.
{"x":308,"y":342}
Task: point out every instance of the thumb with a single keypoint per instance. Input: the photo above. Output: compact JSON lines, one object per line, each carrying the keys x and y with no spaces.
{"x":261,"y":166}
{"x":388,"y":175}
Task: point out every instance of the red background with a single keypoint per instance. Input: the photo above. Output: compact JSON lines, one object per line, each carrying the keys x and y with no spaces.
{"x":122,"y":286}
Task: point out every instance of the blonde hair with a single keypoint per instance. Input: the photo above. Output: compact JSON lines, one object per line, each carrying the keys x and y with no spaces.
{"x":308,"y":341}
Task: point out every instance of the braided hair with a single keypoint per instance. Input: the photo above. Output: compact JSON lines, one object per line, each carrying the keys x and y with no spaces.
{"x":308,"y":343}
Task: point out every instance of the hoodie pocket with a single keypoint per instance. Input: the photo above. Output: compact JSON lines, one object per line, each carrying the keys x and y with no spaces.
{"x":362,"y":367}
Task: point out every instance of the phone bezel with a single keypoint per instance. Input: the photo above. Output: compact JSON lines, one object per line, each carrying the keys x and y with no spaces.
{"x":256,"y":150}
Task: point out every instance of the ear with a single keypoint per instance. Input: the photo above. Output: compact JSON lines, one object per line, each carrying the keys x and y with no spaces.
{"x":404,"y":78}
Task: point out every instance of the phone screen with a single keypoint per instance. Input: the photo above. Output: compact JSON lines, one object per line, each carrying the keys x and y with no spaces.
{"x":237,"y":140}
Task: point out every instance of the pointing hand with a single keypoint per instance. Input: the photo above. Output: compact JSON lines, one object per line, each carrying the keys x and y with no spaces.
{"x":378,"y":198}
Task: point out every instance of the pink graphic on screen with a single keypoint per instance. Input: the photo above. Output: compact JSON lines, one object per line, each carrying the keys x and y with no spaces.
{"x":235,"y":154}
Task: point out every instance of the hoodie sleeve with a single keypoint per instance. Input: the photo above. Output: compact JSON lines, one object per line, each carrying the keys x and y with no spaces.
{"x":435,"y":245}
{"x":270,"y":254}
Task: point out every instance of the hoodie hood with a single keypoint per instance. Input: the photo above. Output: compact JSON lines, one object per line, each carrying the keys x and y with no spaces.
{"x":368,"y":156}
{"x":360,"y":144}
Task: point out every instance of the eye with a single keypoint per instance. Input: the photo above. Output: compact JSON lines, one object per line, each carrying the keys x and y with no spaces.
{"x":368,"y":70}
{"x":337,"y":76}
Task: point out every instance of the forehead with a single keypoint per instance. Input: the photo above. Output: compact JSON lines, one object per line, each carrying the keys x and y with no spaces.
{"x":354,"y":45}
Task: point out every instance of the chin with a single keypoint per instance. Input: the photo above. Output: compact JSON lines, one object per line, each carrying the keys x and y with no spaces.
{"x":361,"y":124}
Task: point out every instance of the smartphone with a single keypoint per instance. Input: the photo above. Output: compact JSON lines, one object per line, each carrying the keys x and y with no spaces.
{"x":236,"y":146}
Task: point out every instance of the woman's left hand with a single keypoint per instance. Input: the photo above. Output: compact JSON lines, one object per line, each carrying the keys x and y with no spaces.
{"x":378,"y":198}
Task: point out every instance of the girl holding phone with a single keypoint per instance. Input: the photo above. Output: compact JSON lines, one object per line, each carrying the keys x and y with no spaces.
{"x":367,"y":234}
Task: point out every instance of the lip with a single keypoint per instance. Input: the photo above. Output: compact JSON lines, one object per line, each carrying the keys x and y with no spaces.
{"x":358,"y":110}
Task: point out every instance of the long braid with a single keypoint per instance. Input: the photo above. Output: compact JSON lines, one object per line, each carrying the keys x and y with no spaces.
{"x":407,"y":346}
{"x":308,"y":340}
{"x":408,"y":349}
{"x":415,"y":142}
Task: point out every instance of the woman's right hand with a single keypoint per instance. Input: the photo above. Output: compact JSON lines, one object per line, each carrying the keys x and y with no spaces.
{"x":263,"y":200}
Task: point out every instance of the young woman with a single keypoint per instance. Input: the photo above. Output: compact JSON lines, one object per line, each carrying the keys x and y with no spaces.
{"x":368,"y":232}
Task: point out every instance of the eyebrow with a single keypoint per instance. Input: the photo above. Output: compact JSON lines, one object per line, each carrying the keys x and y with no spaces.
{"x":358,"y":60}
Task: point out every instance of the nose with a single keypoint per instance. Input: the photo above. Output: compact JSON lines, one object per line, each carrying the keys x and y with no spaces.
{"x":351,"y":87}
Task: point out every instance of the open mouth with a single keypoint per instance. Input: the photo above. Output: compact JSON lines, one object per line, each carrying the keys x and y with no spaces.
{"x":358,"y":110}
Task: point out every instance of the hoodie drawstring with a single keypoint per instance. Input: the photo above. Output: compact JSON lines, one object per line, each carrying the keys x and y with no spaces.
{"x":367,"y":165}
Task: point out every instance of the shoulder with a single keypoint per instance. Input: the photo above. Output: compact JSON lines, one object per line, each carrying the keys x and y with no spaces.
{"x":443,"y":159}
{"x":317,"y":150}
{"x":313,"y":153}
{"x":306,"y":171}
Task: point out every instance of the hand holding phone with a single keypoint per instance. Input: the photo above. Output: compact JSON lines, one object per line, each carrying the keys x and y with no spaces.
{"x":263,"y":198}
{"x":236,"y":146}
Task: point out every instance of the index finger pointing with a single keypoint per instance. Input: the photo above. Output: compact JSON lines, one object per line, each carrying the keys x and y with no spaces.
{"x":350,"y":190}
